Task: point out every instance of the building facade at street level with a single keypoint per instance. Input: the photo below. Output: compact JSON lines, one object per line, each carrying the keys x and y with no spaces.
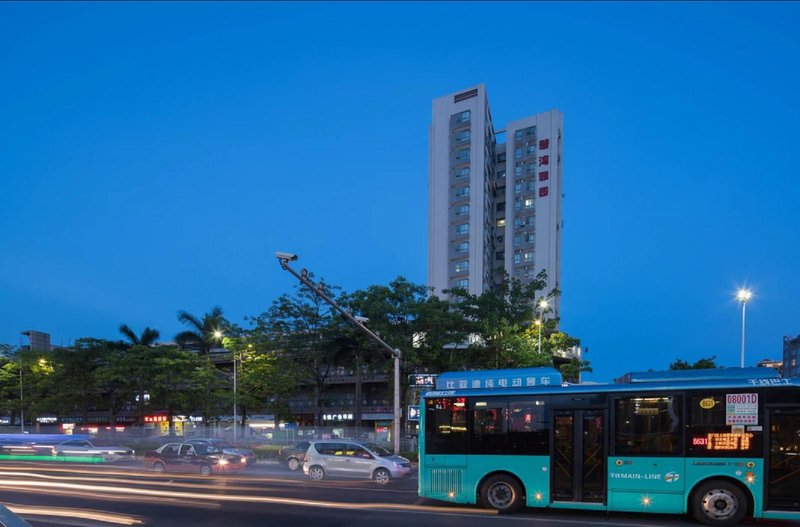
{"x":494,"y":196}
{"x":791,"y":356}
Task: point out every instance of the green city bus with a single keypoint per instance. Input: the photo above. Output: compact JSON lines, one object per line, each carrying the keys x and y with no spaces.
{"x":718,"y":444}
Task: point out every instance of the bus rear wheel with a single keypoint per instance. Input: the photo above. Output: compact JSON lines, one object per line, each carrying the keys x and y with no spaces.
{"x":502,"y":493}
{"x":719,"y":503}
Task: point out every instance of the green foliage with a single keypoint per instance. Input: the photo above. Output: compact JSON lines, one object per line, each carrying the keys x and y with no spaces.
{"x":702,"y":364}
{"x":202,"y":331}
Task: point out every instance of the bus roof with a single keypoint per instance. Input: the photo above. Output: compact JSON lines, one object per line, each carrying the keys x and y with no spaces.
{"x":518,"y":382}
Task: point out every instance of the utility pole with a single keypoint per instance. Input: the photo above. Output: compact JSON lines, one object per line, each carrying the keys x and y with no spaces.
{"x":284,"y":259}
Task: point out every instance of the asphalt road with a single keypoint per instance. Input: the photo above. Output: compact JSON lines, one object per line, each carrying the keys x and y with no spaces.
{"x":47,"y":494}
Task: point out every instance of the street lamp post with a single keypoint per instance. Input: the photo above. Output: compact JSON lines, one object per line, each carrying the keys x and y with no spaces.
{"x":218,"y":335}
{"x":542,"y":307}
{"x":743,"y":296}
{"x":284,"y":259}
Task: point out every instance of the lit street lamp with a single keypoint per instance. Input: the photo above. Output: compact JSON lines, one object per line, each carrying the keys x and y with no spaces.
{"x":542,"y":307}
{"x":743,"y":295}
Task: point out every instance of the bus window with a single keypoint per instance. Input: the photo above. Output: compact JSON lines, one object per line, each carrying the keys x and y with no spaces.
{"x":648,"y":425}
{"x":488,"y":427}
{"x":528,"y":430}
{"x":446,"y":425}
{"x":711,"y":430}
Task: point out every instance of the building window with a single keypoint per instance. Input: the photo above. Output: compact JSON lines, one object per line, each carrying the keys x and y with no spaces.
{"x":462,"y":228}
{"x":462,"y":247}
{"x":517,"y":240}
{"x":461,"y":192}
{"x":528,"y":203}
{"x":500,"y":255}
{"x":531,"y":185}
{"x":501,"y":174}
{"x":518,"y":135}
{"x":517,"y":153}
{"x":531,"y":149}
{"x":530,"y":220}
{"x":647,"y":425}
{"x":544,"y":144}
{"x":531,"y":131}
{"x":530,"y":238}
{"x":518,"y":222}
{"x":462,"y":210}
{"x":517,"y":257}
{"x":462,"y":137}
{"x":462,"y":154}
{"x":517,"y":203}
{"x":463,"y":283}
{"x":528,"y":256}
{"x":501,"y":222}
{"x":517,"y":188}
{"x":517,"y":171}
{"x":463,"y":117}
{"x":462,"y":266}
{"x":461,"y":173}
{"x":543,"y":192}
{"x":501,"y":158}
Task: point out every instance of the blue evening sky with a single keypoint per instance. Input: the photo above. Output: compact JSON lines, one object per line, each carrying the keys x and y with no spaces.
{"x":154,"y":156}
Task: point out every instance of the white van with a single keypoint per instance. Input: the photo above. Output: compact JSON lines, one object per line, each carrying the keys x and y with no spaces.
{"x":351,"y":458}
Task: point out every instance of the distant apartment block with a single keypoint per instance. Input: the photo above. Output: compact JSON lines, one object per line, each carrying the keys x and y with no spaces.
{"x":494,"y":196}
{"x":791,"y":356}
{"x":37,"y":340}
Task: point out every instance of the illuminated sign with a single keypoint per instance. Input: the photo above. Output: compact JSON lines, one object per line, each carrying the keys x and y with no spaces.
{"x":413,"y":412}
{"x":422,"y":380}
{"x":741,"y":409}
{"x":494,"y":379}
{"x":724,"y":441}
{"x":708,"y":403}
{"x":155,"y":418}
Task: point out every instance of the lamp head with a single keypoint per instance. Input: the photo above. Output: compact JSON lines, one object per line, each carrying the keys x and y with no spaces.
{"x":743,"y":295}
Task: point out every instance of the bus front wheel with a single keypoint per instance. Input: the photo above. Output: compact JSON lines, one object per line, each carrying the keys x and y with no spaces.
{"x":719,"y":503}
{"x":502,"y":493}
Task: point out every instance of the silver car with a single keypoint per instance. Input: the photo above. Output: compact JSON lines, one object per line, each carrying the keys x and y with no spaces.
{"x":352,"y":458}
{"x":81,"y":447}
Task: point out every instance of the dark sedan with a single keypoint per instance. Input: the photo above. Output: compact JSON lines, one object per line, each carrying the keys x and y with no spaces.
{"x":295,"y":455}
{"x":183,"y":457}
{"x":228,"y":448}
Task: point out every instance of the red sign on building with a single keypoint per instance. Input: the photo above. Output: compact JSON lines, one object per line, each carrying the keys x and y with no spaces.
{"x":542,"y":192}
{"x":544,"y":143}
{"x":543,"y":176}
{"x":544,"y":160}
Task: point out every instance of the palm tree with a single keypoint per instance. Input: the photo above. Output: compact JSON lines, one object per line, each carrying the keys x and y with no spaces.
{"x":204,"y":332}
{"x":148,"y":337}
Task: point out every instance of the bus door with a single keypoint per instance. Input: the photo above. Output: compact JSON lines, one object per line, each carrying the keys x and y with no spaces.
{"x":783,"y":473}
{"x":578,"y":467}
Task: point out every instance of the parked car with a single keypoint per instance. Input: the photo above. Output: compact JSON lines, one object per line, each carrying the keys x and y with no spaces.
{"x":84,"y":448}
{"x":183,"y":457}
{"x":351,"y":458}
{"x":295,"y":455}
{"x":227,"y":447}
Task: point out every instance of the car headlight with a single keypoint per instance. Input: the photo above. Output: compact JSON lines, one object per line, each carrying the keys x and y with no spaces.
{"x":223,"y":462}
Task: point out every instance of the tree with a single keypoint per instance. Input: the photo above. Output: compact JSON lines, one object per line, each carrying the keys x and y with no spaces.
{"x":299,"y":327}
{"x":181,"y":378}
{"x":203,"y":331}
{"x":702,"y":364}
{"x":148,"y":336}
{"x":499,"y":319}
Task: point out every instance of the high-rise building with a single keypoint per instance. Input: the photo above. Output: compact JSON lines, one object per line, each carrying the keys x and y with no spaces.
{"x":494,"y":196}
